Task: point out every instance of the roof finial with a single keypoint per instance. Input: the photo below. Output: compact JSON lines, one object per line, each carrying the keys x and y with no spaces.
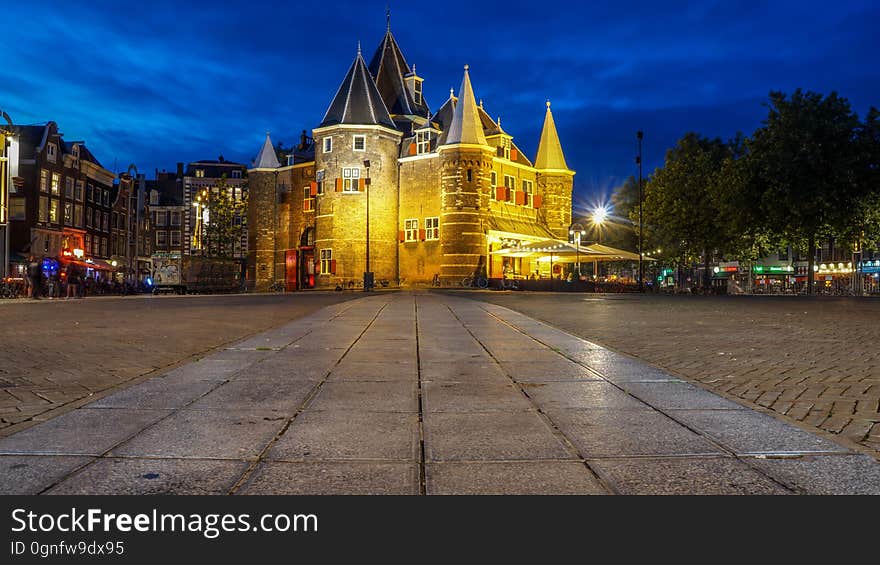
{"x":499,"y":121}
{"x":388,"y":16}
{"x":359,"y":47}
{"x":481,"y":103}
{"x":548,"y":104}
{"x":451,"y":92}
{"x":466,"y":67}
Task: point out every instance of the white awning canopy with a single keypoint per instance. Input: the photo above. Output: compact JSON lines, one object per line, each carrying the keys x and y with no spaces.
{"x":561,"y":251}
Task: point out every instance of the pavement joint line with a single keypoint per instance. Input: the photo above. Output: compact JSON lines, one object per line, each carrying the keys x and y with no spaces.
{"x":102,"y":393}
{"x":698,"y":432}
{"x":303,"y":405}
{"x":173,"y":412}
{"x":423,"y":480}
{"x":569,"y":445}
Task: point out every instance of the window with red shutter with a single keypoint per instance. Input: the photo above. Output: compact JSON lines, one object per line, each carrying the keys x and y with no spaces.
{"x":520,"y":198}
{"x":361,"y":184}
{"x":421,"y":235}
{"x":313,"y":188}
{"x":412,"y":148}
{"x":401,"y":235}
{"x":332,"y":266}
{"x":537,"y":200}
{"x":514,"y":155}
{"x":338,"y":185}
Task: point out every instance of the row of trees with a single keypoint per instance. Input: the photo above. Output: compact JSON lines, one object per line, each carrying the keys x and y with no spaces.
{"x":812,"y":171}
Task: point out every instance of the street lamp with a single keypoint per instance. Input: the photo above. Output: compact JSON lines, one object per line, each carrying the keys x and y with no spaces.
{"x":133,"y":230}
{"x":598,"y":217}
{"x":639,"y":135}
{"x":5,"y":186}
{"x":575,"y":233}
{"x":368,"y":275}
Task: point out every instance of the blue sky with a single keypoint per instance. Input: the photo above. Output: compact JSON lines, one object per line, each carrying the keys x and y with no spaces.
{"x":162,"y":82}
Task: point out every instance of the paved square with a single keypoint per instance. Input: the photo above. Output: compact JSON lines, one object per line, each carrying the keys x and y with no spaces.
{"x":422,"y":393}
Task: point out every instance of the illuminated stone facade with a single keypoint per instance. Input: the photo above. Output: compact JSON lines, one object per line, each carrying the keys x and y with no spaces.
{"x":445,"y":189}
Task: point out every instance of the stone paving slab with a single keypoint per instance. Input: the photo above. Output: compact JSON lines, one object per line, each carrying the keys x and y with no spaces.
{"x":31,"y":474}
{"x":153,"y":476}
{"x":685,"y":476}
{"x":512,"y":477}
{"x":333,"y":478}
{"x":423,"y":393}
{"x":350,"y":435}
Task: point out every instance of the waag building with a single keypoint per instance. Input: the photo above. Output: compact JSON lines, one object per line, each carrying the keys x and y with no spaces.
{"x":388,"y":186}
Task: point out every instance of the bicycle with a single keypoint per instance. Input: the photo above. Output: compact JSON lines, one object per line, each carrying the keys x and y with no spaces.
{"x":475,"y":282}
{"x":276,"y":287}
{"x":509,"y":284}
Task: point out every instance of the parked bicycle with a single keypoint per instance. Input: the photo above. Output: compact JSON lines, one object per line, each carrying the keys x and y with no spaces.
{"x":475,"y":282}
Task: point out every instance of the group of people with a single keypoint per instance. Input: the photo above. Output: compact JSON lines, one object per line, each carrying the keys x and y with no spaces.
{"x":74,"y":280}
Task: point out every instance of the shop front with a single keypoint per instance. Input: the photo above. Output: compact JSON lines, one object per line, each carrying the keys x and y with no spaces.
{"x":870,"y":270}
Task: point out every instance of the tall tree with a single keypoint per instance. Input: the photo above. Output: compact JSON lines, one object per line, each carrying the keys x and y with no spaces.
{"x":681,"y":209}
{"x":805,"y":158}
{"x":625,"y":203}
{"x":226,"y":214}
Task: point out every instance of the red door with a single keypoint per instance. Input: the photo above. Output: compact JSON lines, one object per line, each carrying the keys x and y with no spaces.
{"x":290,"y":270}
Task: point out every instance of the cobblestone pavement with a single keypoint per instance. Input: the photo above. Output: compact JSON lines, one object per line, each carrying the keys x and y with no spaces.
{"x":816,"y":361}
{"x":55,"y":353}
{"x":422,"y":393}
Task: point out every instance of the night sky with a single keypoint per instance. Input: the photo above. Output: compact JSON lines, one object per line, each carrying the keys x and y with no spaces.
{"x":162,"y":82}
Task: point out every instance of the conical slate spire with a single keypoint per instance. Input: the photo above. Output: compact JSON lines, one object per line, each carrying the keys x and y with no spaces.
{"x":357,"y":102}
{"x":389,"y":67}
{"x":466,"y":126}
{"x":266,"y":158}
{"x":550,"y":154}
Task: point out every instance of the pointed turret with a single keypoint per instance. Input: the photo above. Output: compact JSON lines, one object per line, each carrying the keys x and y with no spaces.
{"x":466,"y":126}
{"x":266,"y":158}
{"x":398,"y":84}
{"x":357,"y":102}
{"x":550,"y":154}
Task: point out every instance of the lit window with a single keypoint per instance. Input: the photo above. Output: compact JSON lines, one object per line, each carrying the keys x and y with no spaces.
{"x":360,"y":143}
{"x":350,"y":179}
{"x":17,"y":208}
{"x":56,"y":183}
{"x":319,"y":178}
{"x":44,"y":209}
{"x":432,"y":228}
{"x":423,"y":142}
{"x":200,"y":173}
{"x":68,"y":214}
{"x":326,"y":261}
{"x":528,"y":189}
{"x":411,"y":230}
{"x":44,"y":180}
{"x":328,"y":144}
{"x":308,"y":199}
{"x":53,"y":211}
{"x":417,"y":91}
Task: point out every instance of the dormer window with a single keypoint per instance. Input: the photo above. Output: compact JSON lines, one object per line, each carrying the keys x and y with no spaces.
{"x":505,"y":147}
{"x":76,"y":151}
{"x":414,"y":85}
{"x":236,"y":174}
{"x":154,"y":198}
{"x":52,"y":152}
{"x":200,"y":173}
{"x":423,"y":142}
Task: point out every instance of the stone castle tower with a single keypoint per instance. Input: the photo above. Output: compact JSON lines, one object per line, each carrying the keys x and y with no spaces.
{"x":465,"y":173}
{"x":555,"y":179}
{"x":261,"y":217}
{"x":356,"y":148}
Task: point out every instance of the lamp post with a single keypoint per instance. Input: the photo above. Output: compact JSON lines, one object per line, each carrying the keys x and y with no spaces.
{"x":368,"y":275}
{"x":639,"y":135}
{"x":575,"y":232}
{"x":5,"y":184}
{"x":132,"y":231}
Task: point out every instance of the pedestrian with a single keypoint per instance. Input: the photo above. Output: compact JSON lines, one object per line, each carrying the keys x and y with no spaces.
{"x":54,"y":285}
{"x":73,"y":281}
{"x":35,"y":277}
